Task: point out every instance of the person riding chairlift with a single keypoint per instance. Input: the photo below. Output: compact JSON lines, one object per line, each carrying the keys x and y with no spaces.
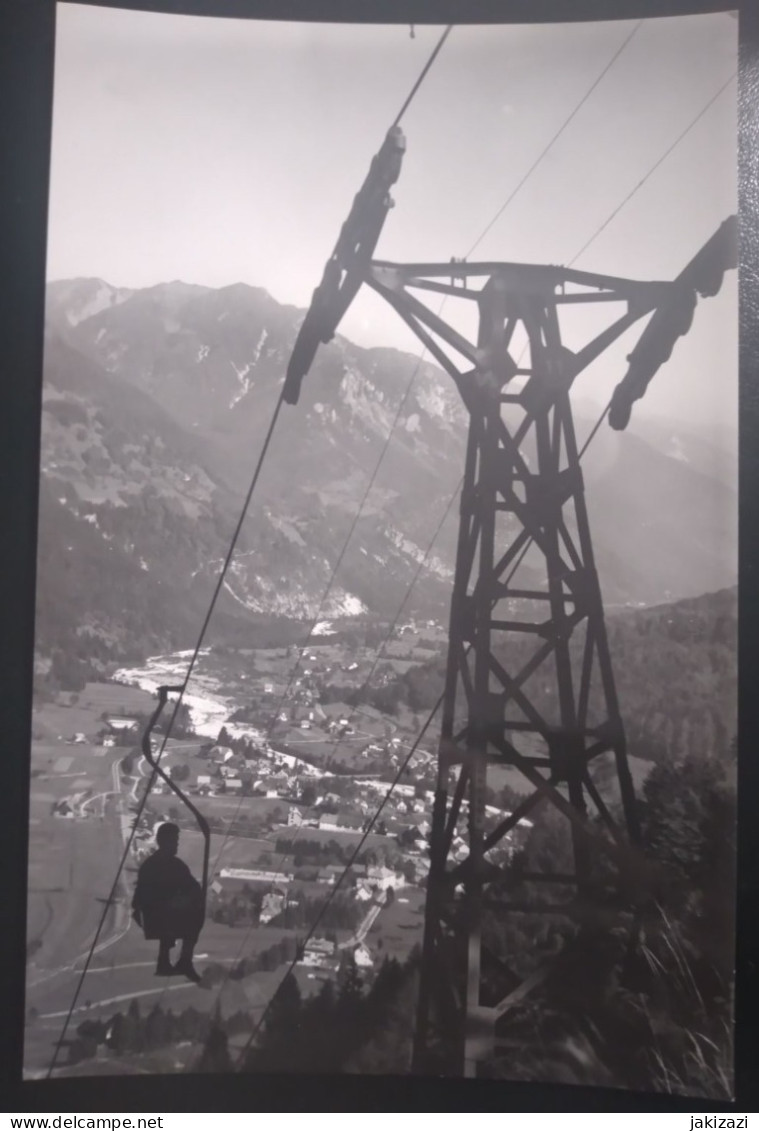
{"x":168,"y":904}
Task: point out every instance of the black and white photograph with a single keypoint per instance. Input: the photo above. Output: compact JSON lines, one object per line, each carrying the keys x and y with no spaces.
{"x":385,"y":657}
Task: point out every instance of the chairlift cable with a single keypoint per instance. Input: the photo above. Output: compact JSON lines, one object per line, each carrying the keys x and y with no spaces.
{"x":319,"y":613}
{"x":201,"y":637}
{"x":373,"y":476}
{"x":553,"y":140}
{"x":367,"y":492}
{"x":423,"y":75}
{"x":366,"y":683}
{"x":520,"y":558}
{"x":317,"y":617}
{"x":473,"y":248}
{"x":151,"y":780}
{"x":479,"y":239}
{"x":230,"y":553}
{"x":604,"y":225}
{"x":653,"y":169}
{"x":371,"y":482}
{"x":399,"y":774}
{"x":401,"y":770}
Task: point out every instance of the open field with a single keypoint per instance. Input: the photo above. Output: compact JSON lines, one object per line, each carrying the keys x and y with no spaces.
{"x":71,"y":861}
{"x":81,"y":713}
{"x":115,"y":697}
{"x":72,"y":864}
{"x":317,"y":744}
{"x":227,"y":805}
{"x":237,"y":852}
{"x":125,"y":972}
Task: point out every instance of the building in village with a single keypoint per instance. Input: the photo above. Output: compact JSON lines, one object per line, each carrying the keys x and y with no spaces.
{"x":380,"y":878}
{"x":221,"y":754}
{"x":120,"y":722}
{"x":260,"y":875}
{"x":272,"y":905}
{"x":362,"y":956}
{"x":317,"y":951}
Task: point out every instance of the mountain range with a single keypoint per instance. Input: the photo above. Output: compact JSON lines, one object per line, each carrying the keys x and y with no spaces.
{"x":156,"y":403}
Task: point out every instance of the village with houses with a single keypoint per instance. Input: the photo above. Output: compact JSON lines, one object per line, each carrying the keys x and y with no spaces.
{"x":319,"y":805}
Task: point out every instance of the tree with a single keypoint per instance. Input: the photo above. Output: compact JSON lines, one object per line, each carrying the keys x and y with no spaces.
{"x":283,"y":1020}
{"x":308,"y":794}
{"x":348,"y":982}
{"x":215,"y":1055}
{"x":156,"y":1028}
{"x":91,"y":1031}
{"x":133,"y":1034}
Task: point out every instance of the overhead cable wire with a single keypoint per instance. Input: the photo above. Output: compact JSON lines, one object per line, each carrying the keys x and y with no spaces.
{"x":412,"y":94}
{"x":612,"y":215}
{"x":319,"y":612}
{"x":283,"y":698}
{"x":523,"y":180}
{"x":583,"y":450}
{"x":361,"y":507}
{"x":423,"y":75}
{"x":653,"y":169}
{"x":594,"y":430}
{"x":399,"y":774}
{"x":544,"y":153}
{"x":143,"y":801}
{"x":526,"y":176}
{"x":409,"y":590}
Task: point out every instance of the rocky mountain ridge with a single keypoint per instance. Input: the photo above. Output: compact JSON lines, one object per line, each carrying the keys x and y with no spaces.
{"x":156,"y":403}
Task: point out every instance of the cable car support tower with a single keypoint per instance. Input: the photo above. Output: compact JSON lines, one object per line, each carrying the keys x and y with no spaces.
{"x":529,"y":682}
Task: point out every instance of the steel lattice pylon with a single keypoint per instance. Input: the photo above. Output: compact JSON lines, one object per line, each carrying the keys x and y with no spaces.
{"x":521,"y":514}
{"x":524,"y":573}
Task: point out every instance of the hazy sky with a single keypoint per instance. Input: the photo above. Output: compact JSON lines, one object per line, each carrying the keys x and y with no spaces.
{"x":217,"y":151}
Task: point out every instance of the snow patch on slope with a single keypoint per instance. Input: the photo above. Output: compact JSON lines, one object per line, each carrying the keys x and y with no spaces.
{"x":365,"y":401}
{"x":411,"y":550}
{"x":245,"y":382}
{"x":675,"y":450}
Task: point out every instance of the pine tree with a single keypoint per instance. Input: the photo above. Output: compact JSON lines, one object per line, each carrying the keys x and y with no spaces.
{"x":134,"y":1036}
{"x":215,"y":1055}
{"x":278,"y":1042}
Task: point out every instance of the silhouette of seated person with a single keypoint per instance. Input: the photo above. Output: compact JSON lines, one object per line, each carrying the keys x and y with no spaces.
{"x":168,"y":904}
